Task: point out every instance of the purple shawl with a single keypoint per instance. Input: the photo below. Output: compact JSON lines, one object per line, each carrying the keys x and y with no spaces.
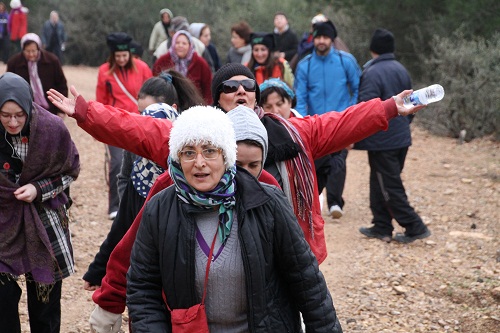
{"x":24,"y":243}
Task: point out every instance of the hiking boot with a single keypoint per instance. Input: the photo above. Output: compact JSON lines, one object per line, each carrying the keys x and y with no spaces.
{"x":369,"y":232}
{"x":403,"y":238}
{"x":336,"y":212}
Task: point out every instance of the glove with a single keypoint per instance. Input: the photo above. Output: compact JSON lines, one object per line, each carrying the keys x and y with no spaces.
{"x":102,"y":321}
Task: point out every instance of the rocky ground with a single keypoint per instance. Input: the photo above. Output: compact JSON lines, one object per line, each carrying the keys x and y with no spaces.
{"x":449,"y":282}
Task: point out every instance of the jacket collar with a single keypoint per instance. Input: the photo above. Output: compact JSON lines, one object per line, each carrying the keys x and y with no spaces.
{"x":382,"y":57}
{"x":249,"y":191}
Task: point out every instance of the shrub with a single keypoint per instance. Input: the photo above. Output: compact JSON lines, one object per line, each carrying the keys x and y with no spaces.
{"x":469,"y":71}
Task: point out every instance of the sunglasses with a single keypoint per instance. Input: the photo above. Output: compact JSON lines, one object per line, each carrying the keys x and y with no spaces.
{"x":231,"y":86}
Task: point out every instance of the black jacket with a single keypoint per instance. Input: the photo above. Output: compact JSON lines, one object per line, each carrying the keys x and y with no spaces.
{"x":282,"y":274}
{"x":287,"y":42}
{"x":384,"y":77}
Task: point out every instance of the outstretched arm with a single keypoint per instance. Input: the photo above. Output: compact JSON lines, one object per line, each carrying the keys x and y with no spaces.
{"x":143,"y":136}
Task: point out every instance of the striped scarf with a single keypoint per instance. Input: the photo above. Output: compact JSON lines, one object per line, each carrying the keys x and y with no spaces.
{"x":299,"y":169}
{"x":223,"y":196}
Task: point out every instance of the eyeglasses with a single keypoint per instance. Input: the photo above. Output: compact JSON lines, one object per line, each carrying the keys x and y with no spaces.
{"x":189,"y":155}
{"x":8,"y":116}
{"x":231,"y":86}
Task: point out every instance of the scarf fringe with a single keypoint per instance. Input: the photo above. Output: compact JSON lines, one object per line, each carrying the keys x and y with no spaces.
{"x":299,"y":171}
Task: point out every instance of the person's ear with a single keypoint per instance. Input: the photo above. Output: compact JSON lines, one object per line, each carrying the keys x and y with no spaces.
{"x":175,"y":107}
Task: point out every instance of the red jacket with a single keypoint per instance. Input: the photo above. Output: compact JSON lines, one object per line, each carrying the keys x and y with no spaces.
{"x":198,"y":72}
{"x":149,"y":137}
{"x":321,"y":134}
{"x":109,"y":92}
{"x":17,"y":24}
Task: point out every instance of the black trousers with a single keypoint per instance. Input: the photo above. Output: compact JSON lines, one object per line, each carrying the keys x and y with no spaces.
{"x":43,"y":317}
{"x":331,"y":172}
{"x":116,"y":155}
{"x":388,"y":198}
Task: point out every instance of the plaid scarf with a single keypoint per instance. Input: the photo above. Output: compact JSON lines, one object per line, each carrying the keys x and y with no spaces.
{"x":222,"y":196}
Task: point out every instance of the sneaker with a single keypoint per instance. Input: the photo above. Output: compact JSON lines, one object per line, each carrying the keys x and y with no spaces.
{"x":403,"y":238}
{"x":368,"y":232}
{"x":112,"y":215}
{"x":336,"y":212}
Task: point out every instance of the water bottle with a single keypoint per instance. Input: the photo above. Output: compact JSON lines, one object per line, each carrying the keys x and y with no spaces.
{"x":425,"y":96}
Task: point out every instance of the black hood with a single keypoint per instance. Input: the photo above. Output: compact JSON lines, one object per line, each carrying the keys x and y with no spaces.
{"x":15,"y":88}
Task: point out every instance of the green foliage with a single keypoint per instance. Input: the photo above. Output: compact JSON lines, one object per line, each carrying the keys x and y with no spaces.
{"x":469,"y":71}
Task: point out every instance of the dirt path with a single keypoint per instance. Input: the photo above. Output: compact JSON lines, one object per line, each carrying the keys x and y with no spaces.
{"x":449,"y":282}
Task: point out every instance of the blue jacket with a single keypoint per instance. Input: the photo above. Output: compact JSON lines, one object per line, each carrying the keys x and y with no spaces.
{"x":326,"y":83}
{"x":385,"y":77}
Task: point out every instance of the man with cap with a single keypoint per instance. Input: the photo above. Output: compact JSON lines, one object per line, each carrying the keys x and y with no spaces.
{"x":328,"y":80}
{"x":160,"y":30}
{"x":382,"y":76}
{"x":306,"y":44}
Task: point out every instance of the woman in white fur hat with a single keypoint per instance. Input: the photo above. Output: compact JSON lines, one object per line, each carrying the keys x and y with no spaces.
{"x":219,"y":221}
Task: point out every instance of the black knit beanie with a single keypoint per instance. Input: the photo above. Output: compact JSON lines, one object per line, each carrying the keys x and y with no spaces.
{"x":382,"y":41}
{"x":225,"y":73}
{"x":325,"y":29}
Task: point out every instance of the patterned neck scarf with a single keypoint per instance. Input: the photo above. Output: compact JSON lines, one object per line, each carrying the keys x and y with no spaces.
{"x":222,"y":196}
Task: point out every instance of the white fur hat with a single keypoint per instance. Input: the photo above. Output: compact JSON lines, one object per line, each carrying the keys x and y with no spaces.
{"x":203,"y":124}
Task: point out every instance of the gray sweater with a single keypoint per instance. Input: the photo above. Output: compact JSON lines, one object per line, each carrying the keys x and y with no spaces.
{"x":226,"y":301}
